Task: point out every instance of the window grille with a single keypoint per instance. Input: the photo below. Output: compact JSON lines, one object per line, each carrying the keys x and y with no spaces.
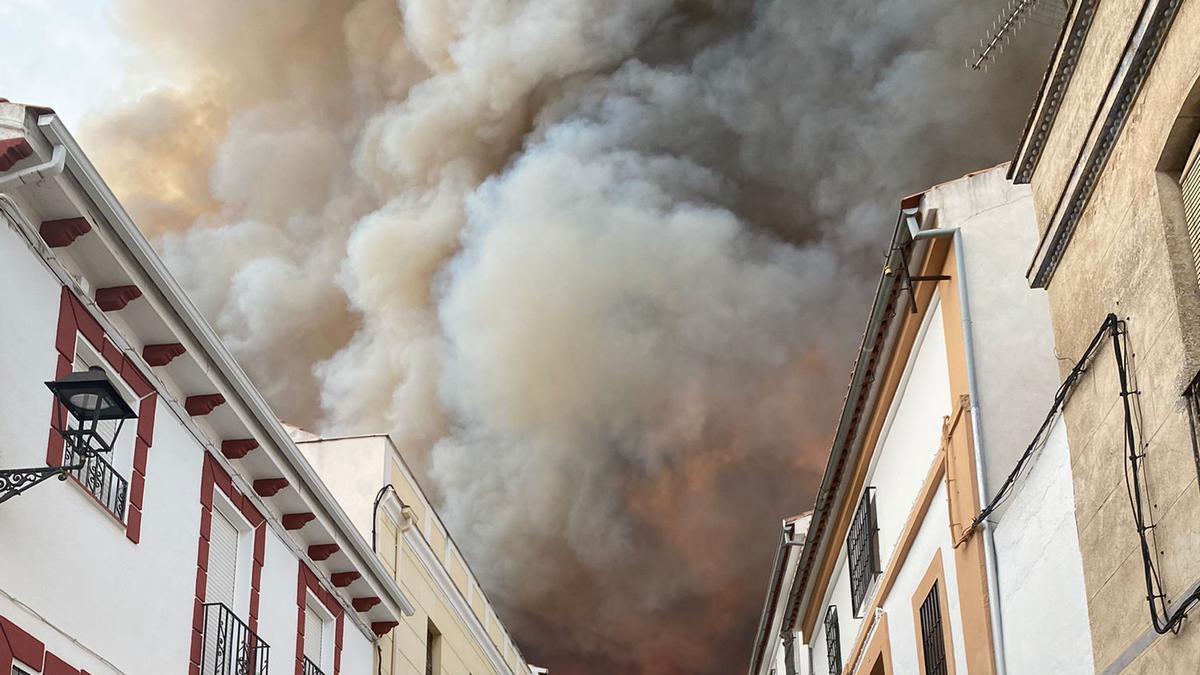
{"x":311,"y":668}
{"x":99,"y":478}
{"x":1189,"y":184}
{"x":833,"y":641}
{"x":862,"y":550}
{"x":230,"y":647}
{"x":933,"y":643}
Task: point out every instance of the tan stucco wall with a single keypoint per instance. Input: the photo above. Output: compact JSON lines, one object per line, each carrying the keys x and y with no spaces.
{"x":1111,"y":26}
{"x":354,"y":469}
{"x":1129,"y":256}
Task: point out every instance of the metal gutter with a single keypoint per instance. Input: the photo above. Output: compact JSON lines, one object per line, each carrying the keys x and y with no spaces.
{"x":782,"y":555}
{"x":140,"y":251}
{"x":861,"y":388}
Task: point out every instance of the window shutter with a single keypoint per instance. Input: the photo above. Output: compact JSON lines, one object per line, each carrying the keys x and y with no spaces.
{"x":222,"y":561}
{"x":1190,"y":185}
{"x":313,"y":636}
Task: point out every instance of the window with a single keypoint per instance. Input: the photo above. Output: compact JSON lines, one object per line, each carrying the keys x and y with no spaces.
{"x":433,"y":650}
{"x":17,"y":671}
{"x":833,"y":641}
{"x":104,"y":475}
{"x":1189,"y":183}
{"x":933,"y":644}
{"x":315,"y":648}
{"x":862,"y":550}
{"x":1192,"y":395}
{"x":222,"y":560}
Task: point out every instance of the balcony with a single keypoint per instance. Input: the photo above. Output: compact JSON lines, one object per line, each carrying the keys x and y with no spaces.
{"x":311,"y":668}
{"x":100,"y":479}
{"x":230,"y":647}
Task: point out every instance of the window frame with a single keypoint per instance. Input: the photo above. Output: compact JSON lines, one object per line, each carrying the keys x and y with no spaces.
{"x":244,"y":563}
{"x":328,"y":622}
{"x":934,"y":582}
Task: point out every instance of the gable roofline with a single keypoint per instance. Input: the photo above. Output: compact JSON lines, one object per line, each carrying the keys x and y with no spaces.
{"x":139,"y":252}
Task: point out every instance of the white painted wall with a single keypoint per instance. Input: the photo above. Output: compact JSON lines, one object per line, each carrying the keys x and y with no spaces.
{"x":933,"y":535}
{"x":1041,"y":572}
{"x":904,"y":454}
{"x":68,"y":574}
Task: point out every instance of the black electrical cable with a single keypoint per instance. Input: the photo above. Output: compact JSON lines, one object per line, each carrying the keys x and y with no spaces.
{"x":1155,"y":597}
{"x":374,"y":520}
{"x":1114,"y":329}
{"x":1060,"y":399}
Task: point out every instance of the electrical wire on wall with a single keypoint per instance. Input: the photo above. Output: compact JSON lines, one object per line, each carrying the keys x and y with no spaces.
{"x":1113,"y":331}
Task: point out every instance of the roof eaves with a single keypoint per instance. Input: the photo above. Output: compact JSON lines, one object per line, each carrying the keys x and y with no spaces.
{"x":141,"y":252}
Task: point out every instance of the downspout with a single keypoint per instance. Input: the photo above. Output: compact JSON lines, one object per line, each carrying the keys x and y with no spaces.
{"x":989,"y":541}
{"x":39,"y":172}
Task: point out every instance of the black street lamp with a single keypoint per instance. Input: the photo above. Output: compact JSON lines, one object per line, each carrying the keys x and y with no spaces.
{"x":88,"y":398}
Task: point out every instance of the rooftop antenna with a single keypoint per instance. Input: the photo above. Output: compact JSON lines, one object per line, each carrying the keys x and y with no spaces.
{"x":1012,"y":18}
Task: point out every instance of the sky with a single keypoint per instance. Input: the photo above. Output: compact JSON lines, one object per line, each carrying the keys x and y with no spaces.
{"x":597,"y":267}
{"x":64,"y":54}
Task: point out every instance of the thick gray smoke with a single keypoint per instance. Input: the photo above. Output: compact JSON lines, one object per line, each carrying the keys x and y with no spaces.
{"x":599,"y":267}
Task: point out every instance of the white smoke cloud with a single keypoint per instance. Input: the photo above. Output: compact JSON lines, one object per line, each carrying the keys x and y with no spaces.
{"x":597,"y":266}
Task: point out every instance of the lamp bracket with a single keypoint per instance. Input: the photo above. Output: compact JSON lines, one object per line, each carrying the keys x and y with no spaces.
{"x":15,"y":481}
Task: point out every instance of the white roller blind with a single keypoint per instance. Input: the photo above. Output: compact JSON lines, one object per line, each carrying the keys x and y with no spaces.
{"x":222,"y":561}
{"x":1190,"y":183}
{"x":314,"y":632}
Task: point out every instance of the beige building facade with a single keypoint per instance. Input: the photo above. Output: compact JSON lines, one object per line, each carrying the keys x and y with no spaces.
{"x":454,"y":629}
{"x":1110,"y":153}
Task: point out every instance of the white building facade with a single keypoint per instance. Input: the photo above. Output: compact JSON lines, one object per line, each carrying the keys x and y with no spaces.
{"x":900,"y":573}
{"x":203,"y":542}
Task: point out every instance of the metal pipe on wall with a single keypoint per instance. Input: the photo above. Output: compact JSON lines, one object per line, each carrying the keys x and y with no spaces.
{"x":989,"y":541}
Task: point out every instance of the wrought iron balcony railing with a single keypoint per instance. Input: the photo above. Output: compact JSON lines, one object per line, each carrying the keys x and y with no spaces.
{"x":230,"y":647}
{"x":98,"y":477}
{"x":311,"y":668}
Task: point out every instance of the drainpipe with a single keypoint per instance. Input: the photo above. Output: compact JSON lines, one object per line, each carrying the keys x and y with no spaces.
{"x":33,"y":174}
{"x":989,"y":541}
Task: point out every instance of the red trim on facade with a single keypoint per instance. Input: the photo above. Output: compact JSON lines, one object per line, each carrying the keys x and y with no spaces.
{"x":18,"y":645}
{"x":381,"y":628}
{"x":74,"y":319}
{"x":56,"y":666}
{"x":114,"y":298}
{"x":307,"y":581}
{"x":13,"y":150}
{"x":161,"y":355}
{"x":344,"y":579}
{"x":59,"y":233}
{"x":238,"y":448}
{"x":322,"y":551}
{"x":202,"y":404}
{"x":212,"y":477}
{"x":296,"y":521}
{"x":269,"y":487}
{"x":365,"y":604}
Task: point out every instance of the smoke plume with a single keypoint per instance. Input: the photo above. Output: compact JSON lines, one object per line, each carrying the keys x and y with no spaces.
{"x":598,"y":267}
